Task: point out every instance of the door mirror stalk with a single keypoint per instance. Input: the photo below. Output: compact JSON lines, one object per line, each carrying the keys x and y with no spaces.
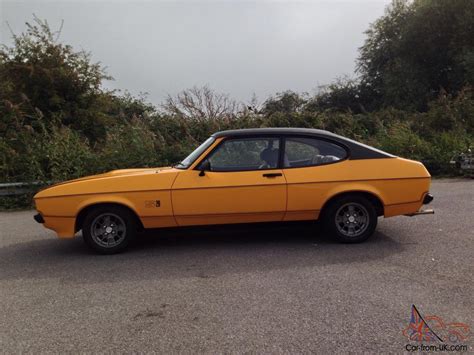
{"x":205,"y":166}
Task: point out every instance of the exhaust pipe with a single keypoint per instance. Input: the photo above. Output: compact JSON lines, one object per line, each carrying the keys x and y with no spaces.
{"x":431,"y":211}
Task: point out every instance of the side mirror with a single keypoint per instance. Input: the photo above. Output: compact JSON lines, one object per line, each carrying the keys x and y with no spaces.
{"x":205,"y":166}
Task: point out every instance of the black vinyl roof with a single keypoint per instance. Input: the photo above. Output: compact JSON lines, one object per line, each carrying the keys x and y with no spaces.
{"x":356,"y":150}
{"x":278,"y":130}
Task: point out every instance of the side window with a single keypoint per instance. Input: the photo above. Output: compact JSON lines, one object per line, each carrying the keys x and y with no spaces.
{"x":300,"y":152}
{"x":246,"y":154}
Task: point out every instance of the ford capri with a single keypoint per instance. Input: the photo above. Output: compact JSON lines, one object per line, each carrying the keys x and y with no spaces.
{"x":243,"y":176}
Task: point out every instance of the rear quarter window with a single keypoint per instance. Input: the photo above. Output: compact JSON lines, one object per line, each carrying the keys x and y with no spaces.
{"x":305,"y":151}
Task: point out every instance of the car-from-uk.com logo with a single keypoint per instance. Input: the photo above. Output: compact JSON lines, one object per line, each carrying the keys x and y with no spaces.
{"x":432,"y":334}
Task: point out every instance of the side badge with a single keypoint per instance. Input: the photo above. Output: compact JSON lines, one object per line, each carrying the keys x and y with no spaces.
{"x":152,"y":203}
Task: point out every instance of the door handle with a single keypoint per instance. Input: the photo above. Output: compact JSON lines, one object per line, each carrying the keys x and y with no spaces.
{"x":272,"y":175}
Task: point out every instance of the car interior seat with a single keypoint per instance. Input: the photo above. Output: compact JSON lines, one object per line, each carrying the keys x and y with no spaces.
{"x":269,"y":157}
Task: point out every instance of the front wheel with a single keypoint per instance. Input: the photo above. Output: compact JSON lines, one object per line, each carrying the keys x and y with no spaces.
{"x":350,"y":219}
{"x":109,"y":229}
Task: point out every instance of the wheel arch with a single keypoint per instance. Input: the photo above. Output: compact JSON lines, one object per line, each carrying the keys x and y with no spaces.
{"x":370,"y":195}
{"x":81,"y":215}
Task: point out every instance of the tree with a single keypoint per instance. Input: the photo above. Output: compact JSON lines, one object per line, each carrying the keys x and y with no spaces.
{"x":201,"y":104}
{"x":45,"y":79}
{"x":417,"y":50}
{"x":286,"y":102}
{"x":344,"y":94}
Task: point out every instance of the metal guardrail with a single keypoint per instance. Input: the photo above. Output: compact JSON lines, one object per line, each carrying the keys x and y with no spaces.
{"x":18,"y":188}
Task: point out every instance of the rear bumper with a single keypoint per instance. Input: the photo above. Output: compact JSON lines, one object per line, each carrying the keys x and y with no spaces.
{"x":428,"y":198}
{"x":39,"y":218}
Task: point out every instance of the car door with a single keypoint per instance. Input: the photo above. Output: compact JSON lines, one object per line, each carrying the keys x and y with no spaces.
{"x":243,"y":184}
{"x":312,"y":166}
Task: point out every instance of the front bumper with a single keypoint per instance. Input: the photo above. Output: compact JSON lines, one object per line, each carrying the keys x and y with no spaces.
{"x":63,"y":226}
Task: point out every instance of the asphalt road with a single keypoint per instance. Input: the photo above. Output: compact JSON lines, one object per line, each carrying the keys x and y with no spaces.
{"x":234,"y":290}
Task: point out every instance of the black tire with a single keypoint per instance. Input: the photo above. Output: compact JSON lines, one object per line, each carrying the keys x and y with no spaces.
{"x":121,"y":228}
{"x":338,"y":220}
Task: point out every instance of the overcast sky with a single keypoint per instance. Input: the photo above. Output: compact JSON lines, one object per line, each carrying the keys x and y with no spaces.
{"x":235,"y":47}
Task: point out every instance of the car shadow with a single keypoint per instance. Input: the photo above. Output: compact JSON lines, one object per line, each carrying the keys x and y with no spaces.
{"x":201,"y":253}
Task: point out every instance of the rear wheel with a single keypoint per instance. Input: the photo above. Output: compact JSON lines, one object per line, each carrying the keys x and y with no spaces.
{"x":350,"y":219}
{"x":109,"y":229}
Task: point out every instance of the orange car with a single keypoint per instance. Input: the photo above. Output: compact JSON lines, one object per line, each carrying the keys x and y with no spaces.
{"x":243,"y":176}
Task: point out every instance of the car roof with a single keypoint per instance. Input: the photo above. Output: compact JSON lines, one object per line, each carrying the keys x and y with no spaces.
{"x":276,"y":130}
{"x":356,"y":149}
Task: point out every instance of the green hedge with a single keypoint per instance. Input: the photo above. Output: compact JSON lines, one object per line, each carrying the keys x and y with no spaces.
{"x":58,"y":123}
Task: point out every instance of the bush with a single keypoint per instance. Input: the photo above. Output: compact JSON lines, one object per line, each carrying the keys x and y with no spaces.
{"x":58,"y":123}
{"x":129,"y":145}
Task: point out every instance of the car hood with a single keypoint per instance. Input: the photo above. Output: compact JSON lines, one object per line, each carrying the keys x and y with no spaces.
{"x":123,"y":180}
{"x":115,"y":173}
